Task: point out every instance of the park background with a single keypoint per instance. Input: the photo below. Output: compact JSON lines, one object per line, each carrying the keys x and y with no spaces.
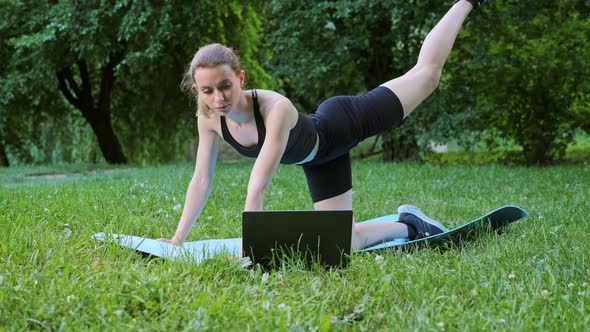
{"x":98,"y":137}
{"x":93,"y":82}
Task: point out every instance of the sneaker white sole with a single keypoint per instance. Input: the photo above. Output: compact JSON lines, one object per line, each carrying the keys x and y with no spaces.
{"x":407,"y":208}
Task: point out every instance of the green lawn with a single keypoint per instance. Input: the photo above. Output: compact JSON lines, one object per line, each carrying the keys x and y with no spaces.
{"x":534,"y":276}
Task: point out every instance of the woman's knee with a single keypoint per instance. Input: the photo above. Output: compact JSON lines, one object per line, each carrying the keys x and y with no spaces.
{"x":415,"y":86}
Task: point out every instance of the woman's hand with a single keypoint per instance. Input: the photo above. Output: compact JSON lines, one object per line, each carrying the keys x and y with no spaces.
{"x":173,"y":241}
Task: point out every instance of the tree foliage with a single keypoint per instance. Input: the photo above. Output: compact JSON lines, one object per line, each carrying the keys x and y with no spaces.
{"x":525,"y":72}
{"x":82,"y":81}
{"x":118,"y":65}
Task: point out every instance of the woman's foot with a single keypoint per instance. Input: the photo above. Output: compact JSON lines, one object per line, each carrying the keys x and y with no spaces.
{"x":423,"y":225}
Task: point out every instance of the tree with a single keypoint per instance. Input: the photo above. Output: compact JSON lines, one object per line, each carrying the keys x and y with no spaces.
{"x":98,"y":54}
{"x":528,"y":73}
{"x":23,"y":91}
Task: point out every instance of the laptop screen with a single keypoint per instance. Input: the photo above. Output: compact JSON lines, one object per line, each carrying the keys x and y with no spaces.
{"x":315,"y":236}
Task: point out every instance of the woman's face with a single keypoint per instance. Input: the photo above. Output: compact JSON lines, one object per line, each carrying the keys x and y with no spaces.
{"x":220,"y":87}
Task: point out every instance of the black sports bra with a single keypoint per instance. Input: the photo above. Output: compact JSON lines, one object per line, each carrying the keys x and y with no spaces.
{"x":302,"y":138}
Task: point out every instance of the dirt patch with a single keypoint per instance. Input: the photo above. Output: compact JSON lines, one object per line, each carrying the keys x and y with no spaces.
{"x":62,"y":175}
{"x":45,"y":176}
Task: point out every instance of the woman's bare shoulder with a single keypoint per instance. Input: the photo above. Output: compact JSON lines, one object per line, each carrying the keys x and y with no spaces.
{"x":209,"y":124}
{"x":268,"y":99}
{"x":270,"y":95}
{"x":272,"y":102}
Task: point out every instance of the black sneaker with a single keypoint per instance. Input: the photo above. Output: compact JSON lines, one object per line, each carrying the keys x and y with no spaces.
{"x":422,"y":224}
{"x":477,"y":4}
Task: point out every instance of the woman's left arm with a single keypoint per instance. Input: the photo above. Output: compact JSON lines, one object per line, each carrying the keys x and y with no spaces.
{"x":280,"y":119}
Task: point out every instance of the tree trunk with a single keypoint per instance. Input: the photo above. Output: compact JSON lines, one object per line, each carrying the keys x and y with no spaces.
{"x":3,"y":156}
{"x":98,"y":114}
{"x":542,"y":143}
{"x":543,"y":151}
{"x":400,"y":145}
{"x":107,"y":140}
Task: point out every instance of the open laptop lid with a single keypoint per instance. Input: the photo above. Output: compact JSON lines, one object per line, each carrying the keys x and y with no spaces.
{"x":322,"y":236}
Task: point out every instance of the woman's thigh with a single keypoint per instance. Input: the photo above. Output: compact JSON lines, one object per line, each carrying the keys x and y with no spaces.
{"x":340,"y":202}
{"x":329,"y":179}
{"x":415,"y":86}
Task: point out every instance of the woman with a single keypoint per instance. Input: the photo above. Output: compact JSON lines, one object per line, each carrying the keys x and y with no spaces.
{"x":265,"y":125}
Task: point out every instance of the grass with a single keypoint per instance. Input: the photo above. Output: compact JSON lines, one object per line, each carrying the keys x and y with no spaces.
{"x":578,"y":152}
{"x":534,"y":276}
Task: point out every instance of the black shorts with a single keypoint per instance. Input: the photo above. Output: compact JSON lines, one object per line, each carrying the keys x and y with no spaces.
{"x":342,"y":122}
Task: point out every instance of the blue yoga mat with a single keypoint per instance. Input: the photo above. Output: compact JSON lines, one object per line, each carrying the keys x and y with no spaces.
{"x":198,"y":251}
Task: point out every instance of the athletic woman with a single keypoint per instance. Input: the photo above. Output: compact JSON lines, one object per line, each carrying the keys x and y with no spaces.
{"x":265,"y":125}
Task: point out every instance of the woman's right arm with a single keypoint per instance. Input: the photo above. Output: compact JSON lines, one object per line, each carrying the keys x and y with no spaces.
{"x":202,"y":181}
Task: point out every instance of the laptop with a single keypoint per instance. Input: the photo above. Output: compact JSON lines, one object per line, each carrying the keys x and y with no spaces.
{"x":314,"y":236}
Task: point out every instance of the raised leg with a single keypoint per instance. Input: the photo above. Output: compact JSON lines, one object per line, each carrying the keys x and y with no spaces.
{"x":417,"y":84}
{"x":412,"y":88}
{"x":363,"y":235}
